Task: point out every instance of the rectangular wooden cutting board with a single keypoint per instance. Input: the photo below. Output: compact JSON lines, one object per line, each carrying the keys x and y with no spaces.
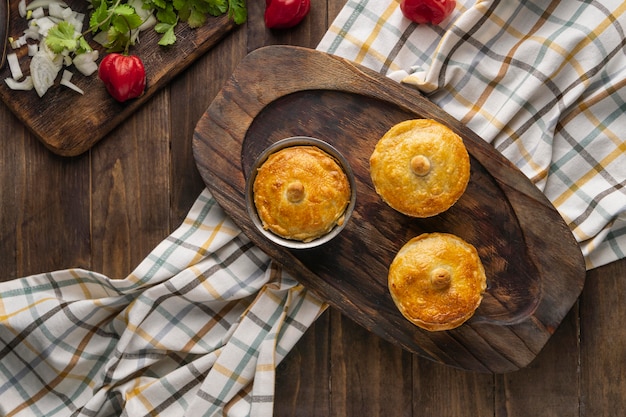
{"x":69,"y":123}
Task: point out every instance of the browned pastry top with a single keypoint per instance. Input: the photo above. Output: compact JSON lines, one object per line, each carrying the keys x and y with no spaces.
{"x":301,"y":193}
{"x":437,"y":281}
{"x":420,"y":167}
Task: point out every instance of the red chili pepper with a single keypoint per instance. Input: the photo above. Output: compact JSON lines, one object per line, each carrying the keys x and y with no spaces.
{"x":427,"y":11}
{"x":124,"y":76}
{"x":282,"y":14}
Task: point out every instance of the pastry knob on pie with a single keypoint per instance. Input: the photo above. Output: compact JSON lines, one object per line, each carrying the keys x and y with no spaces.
{"x":301,"y":193}
{"x":420,"y":167}
{"x":437,"y":281}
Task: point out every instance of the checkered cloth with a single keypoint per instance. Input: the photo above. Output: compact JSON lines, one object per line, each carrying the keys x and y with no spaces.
{"x":199,"y":327}
{"x":197,"y":330}
{"x":543,"y":81}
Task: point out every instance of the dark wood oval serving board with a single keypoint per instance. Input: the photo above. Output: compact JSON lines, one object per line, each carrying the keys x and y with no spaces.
{"x":68,"y":123}
{"x":534,"y":267}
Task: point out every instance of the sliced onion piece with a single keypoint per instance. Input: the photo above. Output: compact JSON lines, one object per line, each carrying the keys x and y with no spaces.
{"x":33,"y":48}
{"x":24,"y":85}
{"x":38,"y":13}
{"x":43,"y":70}
{"x":43,"y":3}
{"x":56,"y":10}
{"x":45,"y":24}
{"x":21,"y":7}
{"x":14,"y":66}
{"x":86,"y":62}
{"x":66,"y":80}
{"x":17,"y":43}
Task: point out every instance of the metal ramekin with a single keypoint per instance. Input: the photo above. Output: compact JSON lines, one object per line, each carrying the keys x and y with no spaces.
{"x":249,"y":192}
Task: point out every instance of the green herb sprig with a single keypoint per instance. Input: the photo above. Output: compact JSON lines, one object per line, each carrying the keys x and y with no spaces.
{"x":62,"y":37}
{"x":194,"y":12}
{"x":118,"y":20}
{"x":112,"y":16}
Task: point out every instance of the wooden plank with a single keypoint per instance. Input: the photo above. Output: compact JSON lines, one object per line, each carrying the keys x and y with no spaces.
{"x":45,"y":199}
{"x":131,"y":187}
{"x":603,"y":341}
{"x":371,"y":377}
{"x":550,"y":385}
{"x":191,"y":94}
{"x":11,"y":194}
{"x":441,"y":391}
{"x":303,"y":380}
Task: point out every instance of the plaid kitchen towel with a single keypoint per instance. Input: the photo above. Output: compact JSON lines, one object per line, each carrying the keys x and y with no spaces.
{"x":543,"y":81}
{"x":196,"y":330}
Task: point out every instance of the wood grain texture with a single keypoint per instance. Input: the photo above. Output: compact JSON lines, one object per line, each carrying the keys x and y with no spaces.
{"x":54,"y":119}
{"x":130,"y":194}
{"x":517,"y":232}
{"x":603,"y":342}
{"x":579,"y":372}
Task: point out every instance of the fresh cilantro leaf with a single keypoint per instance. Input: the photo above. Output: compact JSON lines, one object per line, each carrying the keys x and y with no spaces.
{"x":183,"y":9}
{"x":118,"y":17}
{"x":162,"y":27}
{"x":179,"y":4}
{"x":200,"y":6}
{"x":217,"y":7}
{"x":167,"y":15}
{"x":196,"y":18}
{"x":238,"y":11}
{"x":168,"y":38}
{"x":124,"y":10}
{"x":120,"y":24}
{"x":61,"y":37}
{"x":134,"y":20}
{"x":83,"y":45}
{"x":98,"y":17}
{"x":118,"y":41}
{"x":155,"y":4}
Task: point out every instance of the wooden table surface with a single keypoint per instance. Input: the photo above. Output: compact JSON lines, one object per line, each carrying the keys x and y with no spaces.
{"x":107,"y":209}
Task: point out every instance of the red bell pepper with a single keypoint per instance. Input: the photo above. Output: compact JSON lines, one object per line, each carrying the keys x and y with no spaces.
{"x":282,"y":14}
{"x":427,"y":11}
{"x":124,"y":76}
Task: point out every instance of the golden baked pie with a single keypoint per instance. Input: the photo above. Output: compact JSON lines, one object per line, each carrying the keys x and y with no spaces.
{"x":437,"y":281}
{"x":420,"y":167}
{"x":301,"y":193}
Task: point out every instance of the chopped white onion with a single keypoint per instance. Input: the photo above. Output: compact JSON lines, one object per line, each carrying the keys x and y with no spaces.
{"x":66,"y":12}
{"x":44,"y":70}
{"x":17,"y":43}
{"x":150,"y":21}
{"x":66,"y":81}
{"x":32,"y":32}
{"x":32,"y":49}
{"x":56,"y":10}
{"x":38,"y":13}
{"x":44,"y":24}
{"x":86,"y":62}
{"x":24,"y":85}
{"x":21,"y":8}
{"x":77,"y":20}
{"x":43,"y":3}
{"x":14,"y":66}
